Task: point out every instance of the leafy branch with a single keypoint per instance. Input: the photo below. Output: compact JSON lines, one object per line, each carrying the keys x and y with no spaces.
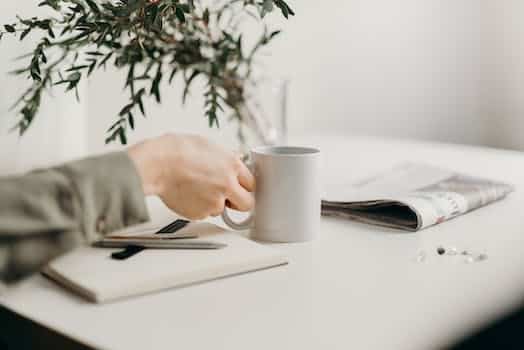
{"x":154,"y":41}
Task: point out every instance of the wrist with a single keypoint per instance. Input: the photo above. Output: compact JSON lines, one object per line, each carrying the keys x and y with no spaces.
{"x":143,"y":157}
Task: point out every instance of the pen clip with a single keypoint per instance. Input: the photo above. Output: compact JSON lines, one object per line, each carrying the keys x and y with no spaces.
{"x":132,"y":250}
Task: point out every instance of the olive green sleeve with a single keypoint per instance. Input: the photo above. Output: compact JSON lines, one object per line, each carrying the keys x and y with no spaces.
{"x":47,"y":212}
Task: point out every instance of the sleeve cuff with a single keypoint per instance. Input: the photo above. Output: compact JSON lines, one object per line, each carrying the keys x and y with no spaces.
{"x":109,"y":191}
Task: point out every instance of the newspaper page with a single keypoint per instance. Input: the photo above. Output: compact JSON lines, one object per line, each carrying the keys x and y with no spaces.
{"x":412,"y":196}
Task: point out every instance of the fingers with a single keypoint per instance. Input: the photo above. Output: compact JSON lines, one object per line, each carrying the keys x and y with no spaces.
{"x":240,"y":199}
{"x":245,"y":178}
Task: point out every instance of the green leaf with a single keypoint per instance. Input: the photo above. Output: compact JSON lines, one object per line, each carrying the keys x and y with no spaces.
{"x":274,"y":34}
{"x":131,"y":120}
{"x":137,"y":99}
{"x":35,"y":74}
{"x":284,"y":8}
{"x":205,"y":16}
{"x":113,"y":127}
{"x":93,"y":6}
{"x":25,"y":33}
{"x":51,"y":3}
{"x":127,"y":108}
{"x":179,"y":13}
{"x":141,"y":106}
{"x":188,"y":85}
{"x":145,"y":33}
{"x":172,"y":76}
{"x":155,"y":85}
{"x":75,"y":68}
{"x":9,"y":28}
{"x":122,"y":135}
{"x":91,"y":68}
{"x":104,"y":61}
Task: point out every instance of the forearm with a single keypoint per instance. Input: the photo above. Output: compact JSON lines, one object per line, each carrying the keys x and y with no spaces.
{"x":48,"y":212}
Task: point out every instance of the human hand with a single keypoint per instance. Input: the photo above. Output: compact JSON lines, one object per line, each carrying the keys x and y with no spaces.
{"x":192,"y":176}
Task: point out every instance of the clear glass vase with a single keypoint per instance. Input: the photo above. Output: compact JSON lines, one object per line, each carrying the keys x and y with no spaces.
{"x":263,"y":114}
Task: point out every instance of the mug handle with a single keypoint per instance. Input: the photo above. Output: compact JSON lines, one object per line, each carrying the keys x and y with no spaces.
{"x":243,"y":225}
{"x":248,"y":222}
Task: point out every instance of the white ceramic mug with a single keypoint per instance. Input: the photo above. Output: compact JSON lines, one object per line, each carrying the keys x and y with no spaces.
{"x":287,"y":195}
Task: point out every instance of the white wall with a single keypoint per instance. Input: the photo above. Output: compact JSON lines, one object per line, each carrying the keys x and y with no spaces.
{"x":508,"y":82}
{"x":414,"y":68}
{"x":407,"y":67}
{"x":433,"y":69}
{"x":59,"y":132}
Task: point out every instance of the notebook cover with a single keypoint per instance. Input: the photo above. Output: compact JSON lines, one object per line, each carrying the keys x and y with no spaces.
{"x":91,"y":273}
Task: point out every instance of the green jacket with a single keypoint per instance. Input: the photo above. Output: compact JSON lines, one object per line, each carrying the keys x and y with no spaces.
{"x":47,"y":212}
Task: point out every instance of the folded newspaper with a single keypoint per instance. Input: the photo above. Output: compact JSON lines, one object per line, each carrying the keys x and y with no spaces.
{"x":412,"y":196}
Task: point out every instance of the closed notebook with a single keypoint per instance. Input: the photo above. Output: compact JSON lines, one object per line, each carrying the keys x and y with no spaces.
{"x":91,"y":273}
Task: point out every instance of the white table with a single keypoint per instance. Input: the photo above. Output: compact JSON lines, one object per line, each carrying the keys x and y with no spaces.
{"x":356,"y":286}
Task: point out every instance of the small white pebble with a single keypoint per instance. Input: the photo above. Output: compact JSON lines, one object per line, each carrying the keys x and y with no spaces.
{"x":470,"y":259}
{"x":482,"y":257}
{"x":421,"y":257}
{"x":452,"y":251}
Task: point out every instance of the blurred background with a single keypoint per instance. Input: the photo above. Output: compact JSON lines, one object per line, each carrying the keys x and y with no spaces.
{"x":442,"y":70}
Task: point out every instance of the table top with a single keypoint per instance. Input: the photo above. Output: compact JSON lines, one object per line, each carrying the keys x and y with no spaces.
{"x":355,"y":286}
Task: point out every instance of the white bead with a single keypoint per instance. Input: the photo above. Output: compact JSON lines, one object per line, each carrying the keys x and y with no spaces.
{"x":452,"y":251}
{"x":421,"y":256}
{"x":482,"y":257}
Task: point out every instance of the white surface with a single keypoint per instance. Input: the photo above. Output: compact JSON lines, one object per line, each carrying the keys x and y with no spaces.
{"x":355,"y":287}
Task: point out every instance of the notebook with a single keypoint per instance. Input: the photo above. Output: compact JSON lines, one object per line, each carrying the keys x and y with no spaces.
{"x":91,"y":273}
